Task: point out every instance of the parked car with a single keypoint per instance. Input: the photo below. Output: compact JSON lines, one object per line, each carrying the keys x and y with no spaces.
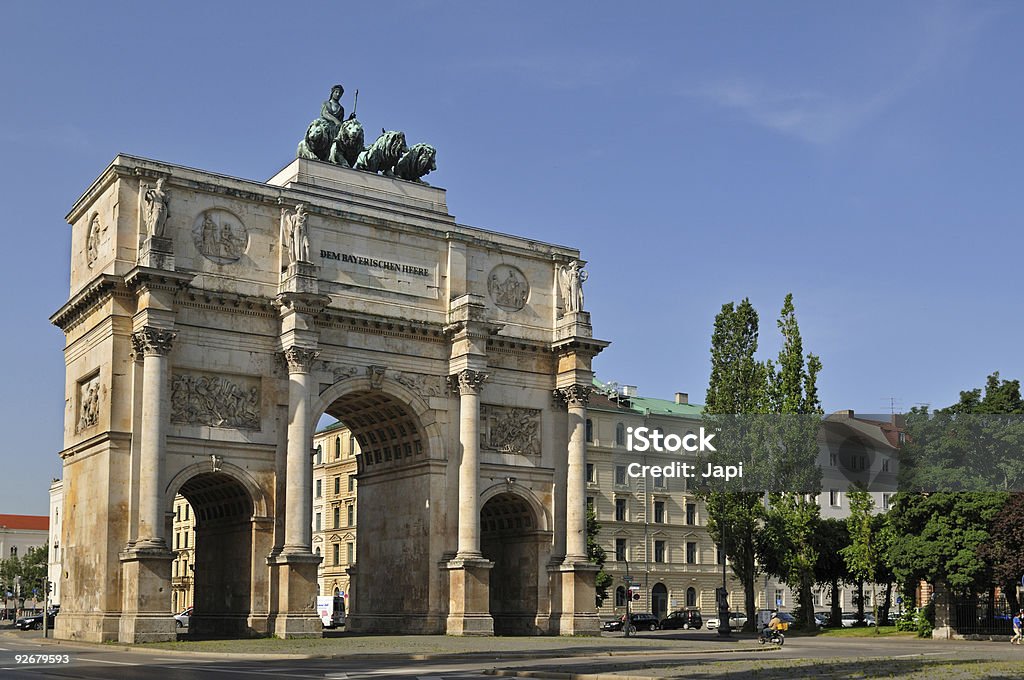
{"x":640,"y":620}
{"x":736,"y":621}
{"x":822,"y":618}
{"x":682,"y":618}
{"x":850,"y":620}
{"x":36,"y":622}
{"x":181,"y":620}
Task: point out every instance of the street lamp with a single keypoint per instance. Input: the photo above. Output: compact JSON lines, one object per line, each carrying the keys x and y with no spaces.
{"x":723,"y":598}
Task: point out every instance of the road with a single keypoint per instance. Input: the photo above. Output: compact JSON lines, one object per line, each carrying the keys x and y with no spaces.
{"x":97,"y":662}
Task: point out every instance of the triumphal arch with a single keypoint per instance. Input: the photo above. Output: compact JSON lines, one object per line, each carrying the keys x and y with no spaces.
{"x":212,"y":321}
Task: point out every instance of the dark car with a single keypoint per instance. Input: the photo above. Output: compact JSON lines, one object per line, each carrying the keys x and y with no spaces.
{"x":640,"y":621}
{"x":35,"y":622}
{"x":683,"y":618}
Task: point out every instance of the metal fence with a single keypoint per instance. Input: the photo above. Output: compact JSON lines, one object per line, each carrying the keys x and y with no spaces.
{"x":981,"y":616}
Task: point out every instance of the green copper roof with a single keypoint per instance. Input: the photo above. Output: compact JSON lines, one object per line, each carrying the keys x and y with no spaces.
{"x":654,"y":406}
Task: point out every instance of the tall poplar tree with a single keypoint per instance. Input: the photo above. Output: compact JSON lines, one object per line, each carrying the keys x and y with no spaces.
{"x":737,"y":386}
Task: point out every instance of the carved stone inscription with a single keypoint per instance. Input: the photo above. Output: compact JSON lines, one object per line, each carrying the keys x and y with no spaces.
{"x":215,"y":400}
{"x":219,"y":236}
{"x":88,"y":402}
{"x":510,"y":430}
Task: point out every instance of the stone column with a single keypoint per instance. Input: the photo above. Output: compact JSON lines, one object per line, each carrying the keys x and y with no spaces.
{"x":298,"y":495}
{"x":470,"y":384}
{"x":576,"y":398}
{"x":154,"y":344}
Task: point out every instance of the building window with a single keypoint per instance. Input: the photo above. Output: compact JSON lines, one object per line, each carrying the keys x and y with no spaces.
{"x":186,"y":539}
{"x":832,"y":459}
{"x":337,"y":448}
{"x":691,"y":552}
{"x":591,"y":474}
{"x":186,"y":511}
{"x":337,"y":485}
{"x":620,"y":509}
{"x":620,"y":475}
{"x":319,"y":454}
{"x":352,"y":446}
{"x":177,"y":514}
{"x":351,"y":549}
{"x":659,"y":512}
{"x":885,"y":465}
{"x":835,"y":498}
{"x":620,"y":596}
{"x":351,"y":509}
{"x":319,"y":521}
{"x":337,"y":553}
{"x":718,"y":554}
{"x":319,"y":488}
{"x":351,"y":483}
{"x":337,"y":517}
{"x":177,"y":544}
{"x":620,"y":435}
{"x":886,"y":498}
{"x":691,"y":597}
{"x":691,"y":513}
{"x":620,"y":549}
{"x":590,"y":430}
{"x":660,"y":482}
{"x":659,"y":551}
{"x":590,"y":504}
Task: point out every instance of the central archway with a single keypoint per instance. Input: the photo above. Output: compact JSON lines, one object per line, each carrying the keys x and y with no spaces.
{"x":395,"y":582}
{"x":222,"y":567}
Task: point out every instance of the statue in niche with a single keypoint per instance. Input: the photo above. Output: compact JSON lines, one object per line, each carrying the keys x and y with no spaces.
{"x":89,"y":409}
{"x":294,"y":234}
{"x":157,"y":200}
{"x":92,"y":241}
{"x":418,"y":161}
{"x":571,"y":280}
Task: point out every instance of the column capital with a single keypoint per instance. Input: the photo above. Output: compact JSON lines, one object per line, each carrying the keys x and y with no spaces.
{"x":574,"y":395}
{"x":468,"y":381}
{"x":152,"y":341}
{"x":300,"y":359}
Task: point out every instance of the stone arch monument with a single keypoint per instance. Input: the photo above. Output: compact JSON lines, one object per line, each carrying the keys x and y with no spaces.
{"x":212,"y":321}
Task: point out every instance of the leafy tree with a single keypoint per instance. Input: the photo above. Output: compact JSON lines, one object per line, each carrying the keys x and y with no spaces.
{"x":596,"y":555}
{"x":1004,"y":551}
{"x":830,"y":537}
{"x":787,"y":549}
{"x":737,"y":386}
{"x":862,"y":555}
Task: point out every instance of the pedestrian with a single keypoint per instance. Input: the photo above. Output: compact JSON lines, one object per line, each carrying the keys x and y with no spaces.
{"x":1017,"y":636}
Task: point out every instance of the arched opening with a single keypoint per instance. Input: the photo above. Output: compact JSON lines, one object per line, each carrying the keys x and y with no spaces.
{"x":691,"y":597}
{"x":659,"y":600}
{"x":379,"y":473}
{"x":214,"y":555}
{"x":509,"y":537}
{"x":620,"y":596}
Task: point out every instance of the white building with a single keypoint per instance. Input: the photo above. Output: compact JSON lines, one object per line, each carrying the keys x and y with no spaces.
{"x":54,"y":559}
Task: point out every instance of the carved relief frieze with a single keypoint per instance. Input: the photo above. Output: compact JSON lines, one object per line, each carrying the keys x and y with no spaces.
{"x":510,"y":430}
{"x":220,"y":236}
{"x":421,"y":384}
{"x":508,"y":288}
{"x":215,"y":400}
{"x":343,"y":372}
{"x":88,"y":403}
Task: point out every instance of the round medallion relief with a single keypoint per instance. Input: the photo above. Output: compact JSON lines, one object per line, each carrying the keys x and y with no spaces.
{"x":220,"y":236}
{"x":508,"y":288}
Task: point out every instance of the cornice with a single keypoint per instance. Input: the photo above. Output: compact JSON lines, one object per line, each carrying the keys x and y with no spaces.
{"x":589,"y":346}
{"x":84,"y":301}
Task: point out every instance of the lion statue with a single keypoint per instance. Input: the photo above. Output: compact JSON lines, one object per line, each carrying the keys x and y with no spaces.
{"x":348,"y":144}
{"x":317,"y":143}
{"x":382,"y":155}
{"x":418,"y":161}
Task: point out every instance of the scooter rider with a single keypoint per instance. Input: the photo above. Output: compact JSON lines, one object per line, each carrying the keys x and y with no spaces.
{"x":773,"y":626}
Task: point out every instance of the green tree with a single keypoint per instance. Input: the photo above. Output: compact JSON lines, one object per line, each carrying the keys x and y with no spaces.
{"x":830,"y":537}
{"x":596,"y":555}
{"x":862,"y":555}
{"x":1003,"y":551}
{"x":793,"y":437}
{"x":737,"y":386}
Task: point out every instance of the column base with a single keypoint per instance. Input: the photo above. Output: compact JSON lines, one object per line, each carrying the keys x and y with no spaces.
{"x":157,"y":252}
{"x":294,"y":578}
{"x":300,"y":277}
{"x":469,"y":605}
{"x":573,"y":598}
{"x":146,"y":583}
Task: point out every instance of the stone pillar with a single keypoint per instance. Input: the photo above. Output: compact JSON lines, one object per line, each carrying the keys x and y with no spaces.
{"x":576,"y":398}
{"x":294,"y":567}
{"x":572,"y":583}
{"x":146,"y":562}
{"x":154,"y":344}
{"x":469,"y":608}
{"x":470,"y":384}
{"x":299,"y":480}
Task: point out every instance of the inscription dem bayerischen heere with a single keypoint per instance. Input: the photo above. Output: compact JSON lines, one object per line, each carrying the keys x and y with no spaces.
{"x":375,"y":263}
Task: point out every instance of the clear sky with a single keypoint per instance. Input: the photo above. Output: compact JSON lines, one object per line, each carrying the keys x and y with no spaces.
{"x":865,"y":156}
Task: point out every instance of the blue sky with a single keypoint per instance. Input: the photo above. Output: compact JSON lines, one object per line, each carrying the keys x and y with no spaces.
{"x":864,"y":156}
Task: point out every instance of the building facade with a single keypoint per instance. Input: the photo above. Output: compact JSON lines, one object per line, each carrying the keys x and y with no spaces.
{"x":334,"y":507}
